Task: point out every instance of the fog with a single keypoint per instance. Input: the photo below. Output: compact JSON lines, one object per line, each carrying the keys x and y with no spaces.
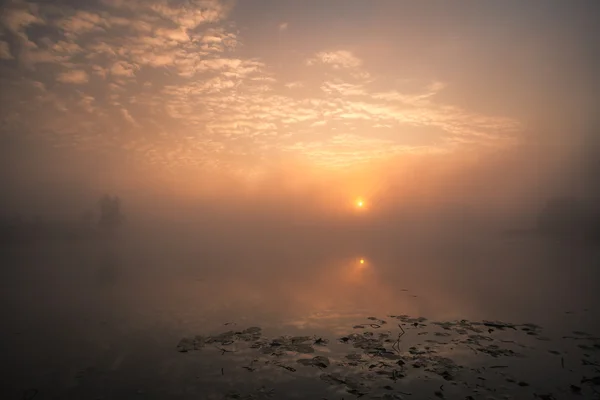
{"x":172,"y":170}
{"x":449,"y":236}
{"x":452,"y":218}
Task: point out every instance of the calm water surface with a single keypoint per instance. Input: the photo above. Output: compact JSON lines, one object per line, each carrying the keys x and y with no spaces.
{"x":103,"y":321}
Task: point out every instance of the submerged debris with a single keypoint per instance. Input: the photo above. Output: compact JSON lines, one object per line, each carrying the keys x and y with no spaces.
{"x":287,"y":367}
{"x":318,"y":361}
{"x":378,"y":356}
{"x":444,"y":367}
{"x":499,"y":325}
{"x":496,"y":351}
{"x":321,"y":341}
{"x":190,"y":344}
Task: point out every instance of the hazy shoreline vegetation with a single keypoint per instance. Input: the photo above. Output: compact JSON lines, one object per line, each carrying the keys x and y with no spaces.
{"x":100,"y":225}
{"x":566,"y":218}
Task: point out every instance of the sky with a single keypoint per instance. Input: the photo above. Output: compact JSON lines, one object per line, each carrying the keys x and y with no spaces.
{"x":311,"y":103}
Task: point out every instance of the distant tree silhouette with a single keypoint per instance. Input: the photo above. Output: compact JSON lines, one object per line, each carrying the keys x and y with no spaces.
{"x":110,"y":214}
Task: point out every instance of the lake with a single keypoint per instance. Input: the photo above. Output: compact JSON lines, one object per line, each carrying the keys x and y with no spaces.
{"x":480,"y":316}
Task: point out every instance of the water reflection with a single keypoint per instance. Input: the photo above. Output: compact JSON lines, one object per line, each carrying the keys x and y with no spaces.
{"x":281,"y":288}
{"x":107,"y":272}
{"x":157,"y":296}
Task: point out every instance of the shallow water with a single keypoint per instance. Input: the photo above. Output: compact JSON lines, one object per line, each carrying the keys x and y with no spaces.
{"x":92,"y":320}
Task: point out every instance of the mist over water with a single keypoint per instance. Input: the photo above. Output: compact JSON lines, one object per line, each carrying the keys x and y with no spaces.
{"x":97,"y":292}
{"x":121,"y":303}
{"x":214,"y":199}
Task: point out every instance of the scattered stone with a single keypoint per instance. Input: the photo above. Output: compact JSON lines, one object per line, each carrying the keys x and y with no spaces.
{"x":287,"y":367}
{"x":250,"y":334}
{"x":499,"y":325}
{"x":222,"y":338}
{"x":318,"y":361}
{"x":379,"y":356}
{"x":321,"y":342}
{"x":185,"y":345}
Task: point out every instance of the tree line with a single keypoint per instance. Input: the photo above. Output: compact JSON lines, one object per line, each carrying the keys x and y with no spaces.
{"x":105,"y":221}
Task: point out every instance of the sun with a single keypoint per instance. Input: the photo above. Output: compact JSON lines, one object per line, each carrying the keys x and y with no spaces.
{"x":359,"y":205}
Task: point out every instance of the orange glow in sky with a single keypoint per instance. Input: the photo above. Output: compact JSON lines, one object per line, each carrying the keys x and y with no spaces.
{"x":198,"y":98}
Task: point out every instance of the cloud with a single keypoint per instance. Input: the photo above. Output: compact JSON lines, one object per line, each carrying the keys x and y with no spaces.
{"x":294,"y":85}
{"x":87,"y":103}
{"x":346,"y":149}
{"x":337,"y":59}
{"x":189,"y":15}
{"x":123,"y":69}
{"x":420,"y":98}
{"x":341,"y":61}
{"x":283,"y":26}
{"x":98,"y":70}
{"x":198,"y":12}
{"x":208,"y":100}
{"x":39,"y":85}
{"x":64,"y":47}
{"x":5,"y":51}
{"x":343,"y":88}
{"x":74,"y":76}
{"x":234,"y":66}
{"x":179,"y":35}
{"x":82,"y":22}
{"x":17,"y":17}
{"x":31,"y":57}
{"x":129,"y":118}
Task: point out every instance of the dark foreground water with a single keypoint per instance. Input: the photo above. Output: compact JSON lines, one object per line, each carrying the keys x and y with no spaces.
{"x":514,"y":318}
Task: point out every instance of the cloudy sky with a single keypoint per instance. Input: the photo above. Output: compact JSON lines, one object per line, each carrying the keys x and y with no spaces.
{"x":199,"y":89}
